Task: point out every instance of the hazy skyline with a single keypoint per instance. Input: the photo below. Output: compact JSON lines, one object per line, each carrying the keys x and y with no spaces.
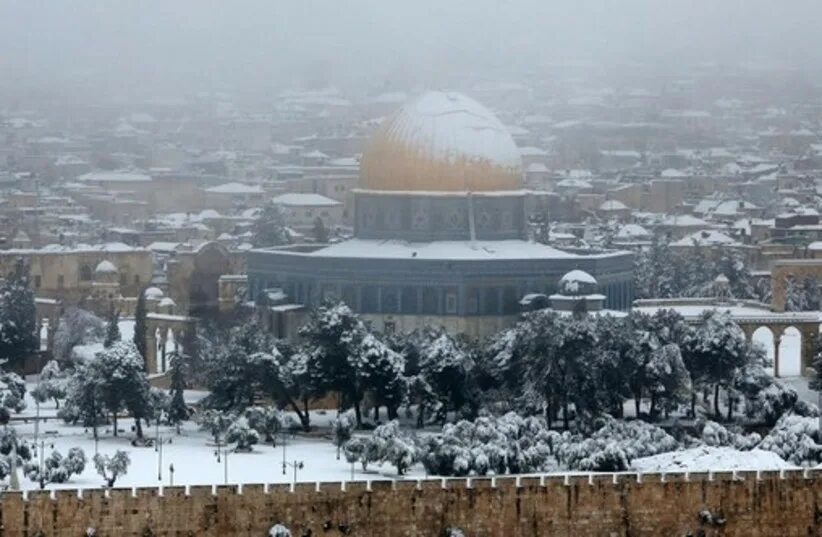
{"x":155,"y":46}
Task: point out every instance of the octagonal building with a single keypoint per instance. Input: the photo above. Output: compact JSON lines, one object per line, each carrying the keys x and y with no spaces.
{"x":440,"y":231}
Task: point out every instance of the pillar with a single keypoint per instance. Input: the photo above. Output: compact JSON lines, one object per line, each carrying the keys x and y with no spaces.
{"x":777,"y":339}
{"x":151,"y":350}
{"x":163,"y":341}
{"x":810,"y":334}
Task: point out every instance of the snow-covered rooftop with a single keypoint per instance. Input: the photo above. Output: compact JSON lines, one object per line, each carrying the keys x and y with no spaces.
{"x":450,"y":250}
{"x":706,"y":237}
{"x":302,"y":199}
{"x":235,"y":188}
{"x":114,"y":176}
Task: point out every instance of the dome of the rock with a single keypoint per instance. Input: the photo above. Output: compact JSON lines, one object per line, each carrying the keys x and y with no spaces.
{"x":441,"y":141}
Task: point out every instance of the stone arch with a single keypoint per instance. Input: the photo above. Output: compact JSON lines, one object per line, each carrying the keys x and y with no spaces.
{"x":85,"y":273}
{"x":790,"y":352}
{"x":210,"y":262}
{"x":764,"y":336}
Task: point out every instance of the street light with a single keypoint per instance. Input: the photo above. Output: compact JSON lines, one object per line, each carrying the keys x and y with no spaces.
{"x":284,"y":433}
{"x":296,"y":465}
{"x":225,"y":451}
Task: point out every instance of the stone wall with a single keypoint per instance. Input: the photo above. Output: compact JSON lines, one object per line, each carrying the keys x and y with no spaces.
{"x":791,"y":268}
{"x":748,"y":504}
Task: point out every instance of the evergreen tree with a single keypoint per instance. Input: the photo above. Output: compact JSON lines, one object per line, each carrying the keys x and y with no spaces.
{"x":178,"y":411}
{"x":123,"y":383}
{"x":270,"y":228}
{"x":332,"y":336}
{"x":378,"y":370}
{"x":112,"y":329}
{"x":76,"y":327}
{"x":18,"y":317}
{"x":320,"y":231}
{"x":140,"y":327}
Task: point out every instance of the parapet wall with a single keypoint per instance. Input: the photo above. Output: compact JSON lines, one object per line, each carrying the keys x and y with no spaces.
{"x":728,"y":504}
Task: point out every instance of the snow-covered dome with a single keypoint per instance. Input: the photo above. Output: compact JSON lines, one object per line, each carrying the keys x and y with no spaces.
{"x":154,"y":293}
{"x":167,"y":302}
{"x":577,"y":282}
{"x":105,"y":267}
{"x":441,"y":141}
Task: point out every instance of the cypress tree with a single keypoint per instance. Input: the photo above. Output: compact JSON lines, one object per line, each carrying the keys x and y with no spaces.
{"x":140,"y":328}
{"x":112,"y":329}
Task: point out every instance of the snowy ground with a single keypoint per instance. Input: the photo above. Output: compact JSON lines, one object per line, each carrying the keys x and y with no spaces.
{"x":193,"y":455}
{"x":704,"y":459}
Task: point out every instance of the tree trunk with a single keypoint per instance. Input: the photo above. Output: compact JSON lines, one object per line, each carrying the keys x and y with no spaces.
{"x":392,"y":412}
{"x":652,"y":411}
{"x":638,"y":402}
{"x":376,"y":413}
{"x":730,"y":406}
{"x":565,"y":423}
{"x":358,"y":414}
{"x":139,"y":427}
{"x":114,"y":419}
{"x":693,"y":404}
{"x":716,"y":401}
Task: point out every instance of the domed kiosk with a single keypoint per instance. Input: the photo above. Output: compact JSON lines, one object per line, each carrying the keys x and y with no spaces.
{"x":440,"y":231}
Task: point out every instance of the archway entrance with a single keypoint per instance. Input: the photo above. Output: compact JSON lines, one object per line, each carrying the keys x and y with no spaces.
{"x":210,"y":262}
{"x":790,"y":353}
{"x":763,"y":336}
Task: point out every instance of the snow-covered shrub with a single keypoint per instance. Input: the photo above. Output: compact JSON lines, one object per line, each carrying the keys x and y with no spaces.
{"x":794,"y":438}
{"x":56,"y":468}
{"x":396,"y":447}
{"x":615,"y":443}
{"x":453,"y":532}
{"x":509,"y":444}
{"x":215,"y":422}
{"x":52,"y":385}
{"x":716,"y":435}
{"x":343,"y":428}
{"x":241,"y":434}
{"x":388,"y":443}
{"x":12,"y":392}
{"x":278,"y":530}
{"x":268,"y":421}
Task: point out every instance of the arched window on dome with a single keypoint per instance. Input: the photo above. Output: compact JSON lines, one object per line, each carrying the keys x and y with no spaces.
{"x":85,"y":273}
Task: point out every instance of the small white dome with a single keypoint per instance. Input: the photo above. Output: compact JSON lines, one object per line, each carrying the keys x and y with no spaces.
{"x":154,"y":293}
{"x":577,"y":282}
{"x":105,"y":266}
{"x":166,"y":301}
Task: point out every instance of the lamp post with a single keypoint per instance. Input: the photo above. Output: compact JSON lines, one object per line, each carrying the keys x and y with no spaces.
{"x":222,"y":450}
{"x":296,"y":465}
{"x":283,"y":443}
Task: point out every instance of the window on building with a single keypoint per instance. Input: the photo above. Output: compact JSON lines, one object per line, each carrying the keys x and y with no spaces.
{"x":37,"y":281}
{"x":389,"y":327}
{"x":369,"y":300}
{"x":510,"y":301}
{"x":491,"y":305}
{"x":85,"y":273}
{"x":409,"y":300}
{"x":472,"y":301}
{"x":429,"y":301}
{"x":390,"y":301}
{"x":451,"y":302}
{"x":136,"y":279}
{"x":61,"y":281}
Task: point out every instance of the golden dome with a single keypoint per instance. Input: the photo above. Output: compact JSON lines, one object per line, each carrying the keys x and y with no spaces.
{"x":441,"y":142}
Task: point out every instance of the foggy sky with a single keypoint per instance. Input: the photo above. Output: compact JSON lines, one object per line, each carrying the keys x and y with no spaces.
{"x":174,"y":45}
